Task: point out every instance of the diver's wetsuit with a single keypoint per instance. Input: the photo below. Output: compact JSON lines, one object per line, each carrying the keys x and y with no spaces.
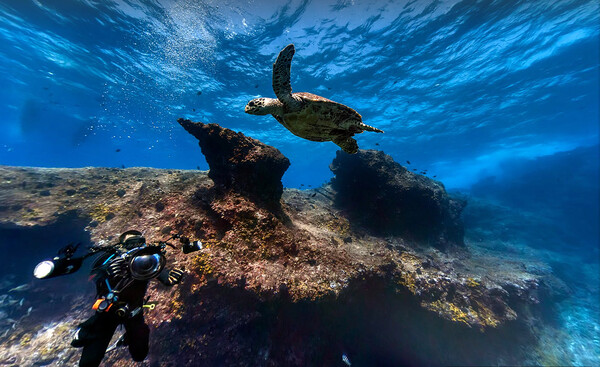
{"x":96,"y":332}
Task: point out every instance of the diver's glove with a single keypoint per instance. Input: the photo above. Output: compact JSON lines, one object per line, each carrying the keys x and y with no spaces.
{"x":175,"y":276}
{"x":117,"y":268}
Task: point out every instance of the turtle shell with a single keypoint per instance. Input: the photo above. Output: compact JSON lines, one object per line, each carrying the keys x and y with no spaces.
{"x":320,"y":119}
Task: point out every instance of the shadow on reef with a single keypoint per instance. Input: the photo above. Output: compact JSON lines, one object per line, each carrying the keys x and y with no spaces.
{"x":371,"y":323}
{"x":386,"y":198}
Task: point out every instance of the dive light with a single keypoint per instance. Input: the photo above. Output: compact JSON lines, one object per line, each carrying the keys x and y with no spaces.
{"x":56,"y":267}
{"x":62,"y":264}
{"x":190,"y":246}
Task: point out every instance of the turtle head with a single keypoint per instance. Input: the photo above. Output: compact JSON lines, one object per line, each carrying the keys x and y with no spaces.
{"x":258,"y":106}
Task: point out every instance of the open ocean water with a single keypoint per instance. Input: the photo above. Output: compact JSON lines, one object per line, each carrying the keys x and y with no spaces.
{"x":497,"y":99}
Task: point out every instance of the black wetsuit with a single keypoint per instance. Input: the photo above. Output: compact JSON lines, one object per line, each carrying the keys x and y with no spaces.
{"x":96,"y":332}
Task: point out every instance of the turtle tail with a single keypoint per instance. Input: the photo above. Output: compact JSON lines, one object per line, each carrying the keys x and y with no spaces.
{"x":366,"y":127}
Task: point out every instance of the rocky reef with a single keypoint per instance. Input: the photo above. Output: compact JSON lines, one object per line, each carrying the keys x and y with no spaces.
{"x":286,"y":277}
{"x":239,"y":163}
{"x":387,"y":198}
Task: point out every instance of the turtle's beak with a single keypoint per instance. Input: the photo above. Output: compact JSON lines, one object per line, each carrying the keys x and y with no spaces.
{"x":247,"y":109}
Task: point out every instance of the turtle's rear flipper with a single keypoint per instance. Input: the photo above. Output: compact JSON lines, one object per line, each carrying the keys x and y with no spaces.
{"x":347,"y":144}
{"x":366,"y":127}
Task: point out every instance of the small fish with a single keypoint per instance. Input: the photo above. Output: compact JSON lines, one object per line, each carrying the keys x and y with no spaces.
{"x":29,"y":310}
{"x":123,"y":166}
{"x":414,"y":169}
{"x":20,"y":288}
{"x":377,"y":144}
{"x":313,"y":195}
{"x":309,"y":185}
{"x":193,"y":109}
{"x":255,"y":85}
{"x":301,"y":184}
{"x":407,"y":162}
{"x":434,"y":176}
{"x":346,"y":360}
{"x":117,"y":150}
{"x":21,"y":302}
{"x":198,"y":168}
{"x":199,"y":93}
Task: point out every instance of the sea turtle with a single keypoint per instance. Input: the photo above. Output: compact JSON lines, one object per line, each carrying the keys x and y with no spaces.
{"x":307,"y":115}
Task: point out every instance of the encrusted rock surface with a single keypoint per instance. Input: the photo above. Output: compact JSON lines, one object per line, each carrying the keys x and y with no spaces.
{"x":240,"y":163}
{"x":267,"y":289}
{"x":384,"y":196}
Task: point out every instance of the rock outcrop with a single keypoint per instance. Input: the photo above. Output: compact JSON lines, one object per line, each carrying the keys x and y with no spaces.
{"x":380,"y":194}
{"x":264,"y":291}
{"x":239,"y":163}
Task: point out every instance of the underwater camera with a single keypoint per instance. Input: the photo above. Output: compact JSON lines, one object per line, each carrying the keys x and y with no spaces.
{"x":145,"y":262}
{"x":62,"y":264}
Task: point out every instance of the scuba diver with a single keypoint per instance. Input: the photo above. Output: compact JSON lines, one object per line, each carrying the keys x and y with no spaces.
{"x":121,"y":274}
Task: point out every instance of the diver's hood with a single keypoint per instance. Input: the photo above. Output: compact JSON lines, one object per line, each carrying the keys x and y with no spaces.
{"x":132,"y":239}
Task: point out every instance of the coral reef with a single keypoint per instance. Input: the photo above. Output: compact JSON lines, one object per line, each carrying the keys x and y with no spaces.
{"x":384,"y":196}
{"x":297,"y":283}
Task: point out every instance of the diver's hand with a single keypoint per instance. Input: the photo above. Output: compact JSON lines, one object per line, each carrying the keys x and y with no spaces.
{"x":175,"y":276}
{"x":117,"y":268}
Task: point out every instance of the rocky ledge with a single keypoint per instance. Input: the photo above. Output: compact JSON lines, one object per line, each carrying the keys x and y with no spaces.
{"x":294,"y":282}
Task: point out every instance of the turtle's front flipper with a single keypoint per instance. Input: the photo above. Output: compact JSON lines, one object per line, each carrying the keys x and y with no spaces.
{"x":281,"y":75}
{"x":347,"y":144}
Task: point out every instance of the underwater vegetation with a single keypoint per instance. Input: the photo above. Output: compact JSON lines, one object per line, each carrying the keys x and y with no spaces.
{"x":286,"y":276}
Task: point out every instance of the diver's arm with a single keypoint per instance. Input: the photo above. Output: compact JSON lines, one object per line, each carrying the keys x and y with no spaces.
{"x":170,"y":277}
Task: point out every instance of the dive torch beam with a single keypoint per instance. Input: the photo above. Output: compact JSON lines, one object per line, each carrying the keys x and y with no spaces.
{"x":56,"y":267}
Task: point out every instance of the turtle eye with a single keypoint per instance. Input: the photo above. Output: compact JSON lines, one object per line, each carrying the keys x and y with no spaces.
{"x":251,"y":104}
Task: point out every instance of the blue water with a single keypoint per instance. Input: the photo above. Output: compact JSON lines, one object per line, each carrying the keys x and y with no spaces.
{"x":459,"y":87}
{"x":491,"y":97}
